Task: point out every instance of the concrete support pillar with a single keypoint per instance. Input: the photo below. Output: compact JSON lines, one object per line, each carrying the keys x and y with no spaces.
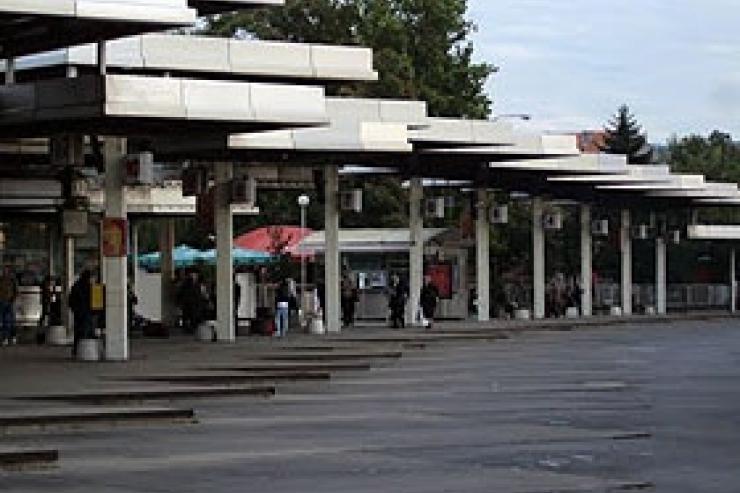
{"x":416,"y":250}
{"x":625,"y":240}
{"x":225,"y":329}
{"x":483,"y":263}
{"x":9,"y":71}
{"x":332,"y":255}
{"x":68,"y":279}
{"x":586,"y":263}
{"x":116,"y":269}
{"x":167,"y":269}
{"x":134,"y":242}
{"x":538,"y":257}
{"x":733,"y":280}
{"x":661,"y":280}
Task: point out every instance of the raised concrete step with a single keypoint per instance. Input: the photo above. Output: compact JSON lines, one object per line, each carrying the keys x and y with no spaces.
{"x":128,"y":395}
{"x":278,"y":366}
{"x":227,"y":378}
{"x":10,"y":459}
{"x":329,"y":356}
{"x":83,"y":417}
{"x":421,"y":338}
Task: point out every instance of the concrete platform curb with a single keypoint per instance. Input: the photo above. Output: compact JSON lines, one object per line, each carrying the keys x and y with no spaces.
{"x":154,"y":394}
{"x":309,"y":367}
{"x":231,"y":377}
{"x":329,"y":356}
{"x":19,"y":458}
{"x":94,"y":417}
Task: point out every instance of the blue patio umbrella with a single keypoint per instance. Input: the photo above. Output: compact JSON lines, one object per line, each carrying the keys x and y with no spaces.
{"x":183,"y":256}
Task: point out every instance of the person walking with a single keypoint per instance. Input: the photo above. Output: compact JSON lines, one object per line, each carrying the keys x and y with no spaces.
{"x":397,"y":296}
{"x":80,"y":303}
{"x":282,"y":309}
{"x":8,"y":294}
{"x":348,"y":300}
{"x":428,"y":298}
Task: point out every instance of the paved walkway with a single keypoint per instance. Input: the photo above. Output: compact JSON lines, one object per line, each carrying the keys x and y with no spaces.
{"x":602,"y":409}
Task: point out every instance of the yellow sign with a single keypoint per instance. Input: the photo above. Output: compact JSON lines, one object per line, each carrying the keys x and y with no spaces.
{"x":97,"y":297}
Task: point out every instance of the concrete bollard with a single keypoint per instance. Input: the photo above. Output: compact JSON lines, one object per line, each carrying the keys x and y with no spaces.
{"x":206,"y":332}
{"x":88,"y":350}
{"x":56,"y":335}
{"x":522,"y":314}
{"x":572,"y":312}
{"x":650,"y":310}
{"x":316,"y":326}
{"x":616,"y":311}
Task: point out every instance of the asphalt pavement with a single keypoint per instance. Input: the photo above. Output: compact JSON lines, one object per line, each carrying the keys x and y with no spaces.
{"x":653,"y":407}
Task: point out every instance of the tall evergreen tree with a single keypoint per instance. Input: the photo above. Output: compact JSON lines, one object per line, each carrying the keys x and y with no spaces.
{"x":624,"y":136}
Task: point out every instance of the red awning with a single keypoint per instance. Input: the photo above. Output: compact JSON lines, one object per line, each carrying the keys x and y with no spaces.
{"x":272,"y":238}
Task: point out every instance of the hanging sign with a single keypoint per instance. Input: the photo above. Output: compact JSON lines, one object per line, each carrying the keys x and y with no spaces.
{"x":115,"y":237}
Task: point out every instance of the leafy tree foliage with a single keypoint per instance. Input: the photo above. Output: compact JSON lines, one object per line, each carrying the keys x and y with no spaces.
{"x":422,"y":47}
{"x":421,"y":51}
{"x":716,"y":156}
{"x":624,"y":136}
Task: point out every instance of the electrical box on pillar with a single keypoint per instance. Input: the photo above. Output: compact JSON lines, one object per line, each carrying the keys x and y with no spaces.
{"x":499,"y":214}
{"x":553,"y":221}
{"x":600,"y":227}
{"x":139,"y":168}
{"x":675,"y":236}
{"x":194,"y":181}
{"x":74,"y":223}
{"x":435,"y":208}
{"x":642,"y":232}
{"x":351,"y":201}
{"x":244,"y":190}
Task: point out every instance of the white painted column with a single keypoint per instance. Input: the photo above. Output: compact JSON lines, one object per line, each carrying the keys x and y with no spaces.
{"x":167,"y":270}
{"x":661,"y":280}
{"x":483,"y":261}
{"x":586,"y":262}
{"x":68,"y":279}
{"x":626,"y":251}
{"x":332,"y":255}
{"x":134,"y":241}
{"x":225,"y":330}
{"x":733,"y":280}
{"x":116,"y":316}
{"x":416,"y":250}
{"x":538,"y":257}
{"x":9,"y":71}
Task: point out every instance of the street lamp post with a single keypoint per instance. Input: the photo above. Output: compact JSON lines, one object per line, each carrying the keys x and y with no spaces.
{"x":303,"y":202}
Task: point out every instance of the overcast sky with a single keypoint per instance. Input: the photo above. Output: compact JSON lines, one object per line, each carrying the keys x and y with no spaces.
{"x":571,"y":63}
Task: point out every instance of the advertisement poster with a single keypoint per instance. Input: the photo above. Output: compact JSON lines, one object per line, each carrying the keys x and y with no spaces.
{"x":441,"y":276}
{"x":115,"y":237}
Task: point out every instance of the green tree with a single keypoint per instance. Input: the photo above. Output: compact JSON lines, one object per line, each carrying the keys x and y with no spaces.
{"x":422,"y":47}
{"x":716,"y":156}
{"x":624,"y":136}
{"x":421,"y":51}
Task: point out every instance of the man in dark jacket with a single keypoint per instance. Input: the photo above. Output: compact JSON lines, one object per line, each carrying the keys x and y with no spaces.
{"x":428,"y":299}
{"x":80,"y":304}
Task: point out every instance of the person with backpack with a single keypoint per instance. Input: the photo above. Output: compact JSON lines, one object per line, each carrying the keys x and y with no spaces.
{"x":8,"y":294}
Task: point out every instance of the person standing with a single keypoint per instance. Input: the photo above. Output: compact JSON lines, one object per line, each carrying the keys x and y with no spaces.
{"x":348,"y":299}
{"x":428,"y":298}
{"x":397,"y":301}
{"x":47,"y":295}
{"x":80,"y":297}
{"x":8,"y":294}
{"x":282,"y":309}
